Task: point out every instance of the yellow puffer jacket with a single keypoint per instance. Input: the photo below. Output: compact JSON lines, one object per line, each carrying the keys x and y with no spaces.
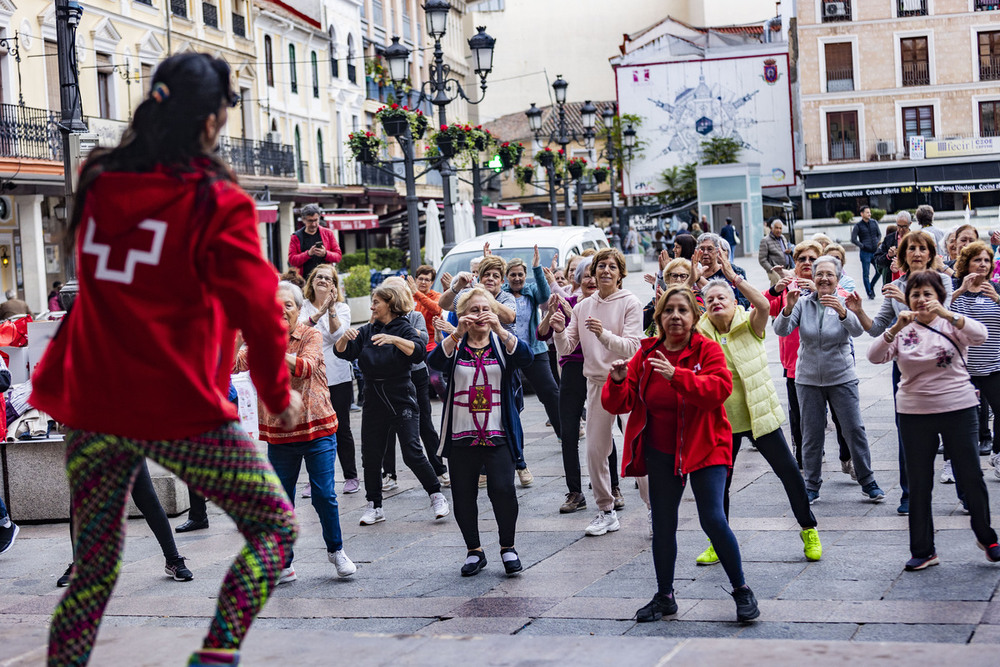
{"x":746,"y":353}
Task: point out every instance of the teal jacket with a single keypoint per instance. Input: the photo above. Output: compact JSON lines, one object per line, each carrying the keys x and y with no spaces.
{"x":538,"y":293}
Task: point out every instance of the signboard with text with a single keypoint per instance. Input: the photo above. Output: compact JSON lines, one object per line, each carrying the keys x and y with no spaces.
{"x":934,"y":148}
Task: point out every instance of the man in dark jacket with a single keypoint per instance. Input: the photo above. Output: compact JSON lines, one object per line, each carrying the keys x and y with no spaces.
{"x":866,"y":236}
{"x":887,"y":249}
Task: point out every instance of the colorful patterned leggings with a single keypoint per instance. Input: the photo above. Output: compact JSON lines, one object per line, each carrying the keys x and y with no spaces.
{"x":225,"y":467}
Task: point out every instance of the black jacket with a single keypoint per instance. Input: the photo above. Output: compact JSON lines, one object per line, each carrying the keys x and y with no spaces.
{"x":881,"y":258}
{"x":385,"y":362}
{"x":866,"y":235}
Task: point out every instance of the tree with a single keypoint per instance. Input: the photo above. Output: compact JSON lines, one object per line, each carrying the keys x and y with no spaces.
{"x":720,"y":150}
{"x":680,"y":183}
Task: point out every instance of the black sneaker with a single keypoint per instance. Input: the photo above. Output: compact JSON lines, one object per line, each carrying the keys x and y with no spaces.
{"x":7,"y":536}
{"x":746,"y":604}
{"x":176,"y":569}
{"x":63,"y":581}
{"x":474,"y":563}
{"x":660,"y":606}
{"x":192,"y":524}
{"x":510,"y":566}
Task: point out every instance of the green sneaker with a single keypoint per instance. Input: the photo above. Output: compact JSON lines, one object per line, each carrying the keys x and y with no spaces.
{"x":810,"y":544}
{"x":708,"y":556}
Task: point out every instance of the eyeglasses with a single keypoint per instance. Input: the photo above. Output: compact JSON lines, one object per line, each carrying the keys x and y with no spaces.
{"x":325,"y":279}
{"x":802,"y":259}
{"x":678,"y":276}
{"x":899,"y":226}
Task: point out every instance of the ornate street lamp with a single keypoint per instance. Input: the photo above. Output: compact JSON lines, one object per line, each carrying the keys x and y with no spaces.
{"x":398,"y":58}
{"x":436,"y":12}
{"x":534,"y":115}
{"x":559,"y":86}
{"x":588,"y":113}
{"x":482,"y":46}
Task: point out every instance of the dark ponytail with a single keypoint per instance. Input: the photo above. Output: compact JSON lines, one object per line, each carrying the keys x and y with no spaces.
{"x":167,"y":126}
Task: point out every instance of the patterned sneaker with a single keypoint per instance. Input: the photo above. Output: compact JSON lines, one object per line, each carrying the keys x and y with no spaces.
{"x":440,"y":505}
{"x":482,"y":481}
{"x":604,"y":522}
{"x":915,"y":564}
{"x":287,"y":576}
{"x":708,"y":556}
{"x":176,"y":569}
{"x":847,"y":467}
{"x":389,"y":484}
{"x":574,"y":503}
{"x":811,"y":545}
{"x":345,"y":566}
{"x":616,"y":493}
{"x":372,"y":515}
{"x":992,"y":551}
{"x":214,"y":657}
{"x":445,"y":480}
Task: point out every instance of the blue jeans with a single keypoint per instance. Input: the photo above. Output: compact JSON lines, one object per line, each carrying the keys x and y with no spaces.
{"x":866,"y":262}
{"x":319,"y":456}
{"x":3,"y":510}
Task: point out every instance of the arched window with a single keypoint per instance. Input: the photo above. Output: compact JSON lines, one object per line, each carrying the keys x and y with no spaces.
{"x":268,"y":61}
{"x":319,"y":157}
{"x":315,"y":72}
{"x":300,"y":164}
{"x":293,"y":74}
{"x":334,"y":64}
{"x":352,"y":70}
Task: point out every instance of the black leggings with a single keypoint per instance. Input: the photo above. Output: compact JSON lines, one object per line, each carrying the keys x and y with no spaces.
{"x":989,"y":393}
{"x":428,"y":434}
{"x":775,"y":451}
{"x":342,"y":395}
{"x":465,"y":464}
{"x":546,"y":390}
{"x":572,"y":398}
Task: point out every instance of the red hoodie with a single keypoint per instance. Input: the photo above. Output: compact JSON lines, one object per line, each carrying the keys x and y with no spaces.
{"x":702,"y":382}
{"x":147,"y":348}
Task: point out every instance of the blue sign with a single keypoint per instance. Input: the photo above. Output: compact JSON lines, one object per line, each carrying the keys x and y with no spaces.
{"x":703,"y":126}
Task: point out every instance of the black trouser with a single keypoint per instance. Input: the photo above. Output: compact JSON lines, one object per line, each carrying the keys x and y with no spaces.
{"x":146,"y":500}
{"x":960,"y":431}
{"x":540,"y":376}
{"x":775,"y":451}
{"x":989,"y":394}
{"x":795,"y":424}
{"x":465,"y":464}
{"x":572,"y":398}
{"x":199,"y":508}
{"x":391,"y":411}
{"x":342,"y":395}
{"x":428,"y":434}
{"x":554,"y":363}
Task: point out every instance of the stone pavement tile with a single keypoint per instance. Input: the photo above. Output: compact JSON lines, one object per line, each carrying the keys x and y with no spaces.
{"x":992,"y":613}
{"x":836,"y":589}
{"x":159,"y":606}
{"x":329,"y":586}
{"x":740,"y":524}
{"x":383,"y":625}
{"x":915,"y":612}
{"x":766,"y":579}
{"x":799,"y":631}
{"x":299,"y":607}
{"x":684,"y":629}
{"x":570,"y":560}
{"x":566,"y":626}
{"x":617,"y":583}
{"x":505,"y":606}
{"x":552,"y":585}
{"x":310,"y":624}
{"x":476,"y":625}
{"x":454,"y":584}
{"x":947,"y":582}
{"x":607,"y":608}
{"x":899,"y":632}
{"x":986,"y":634}
{"x":789,"y":611}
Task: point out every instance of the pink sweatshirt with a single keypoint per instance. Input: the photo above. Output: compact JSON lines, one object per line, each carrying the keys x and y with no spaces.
{"x":621,"y":316}
{"x":934,"y":377}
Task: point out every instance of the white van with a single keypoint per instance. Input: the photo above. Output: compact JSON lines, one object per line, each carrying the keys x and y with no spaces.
{"x":521,"y":243}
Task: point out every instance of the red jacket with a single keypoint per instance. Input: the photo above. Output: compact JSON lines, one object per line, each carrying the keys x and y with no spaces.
{"x":702,"y":382}
{"x":166,"y":279}
{"x":298,"y":258}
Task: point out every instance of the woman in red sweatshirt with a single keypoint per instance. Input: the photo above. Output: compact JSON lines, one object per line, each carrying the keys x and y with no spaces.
{"x":170,"y":267}
{"x":679,"y":381}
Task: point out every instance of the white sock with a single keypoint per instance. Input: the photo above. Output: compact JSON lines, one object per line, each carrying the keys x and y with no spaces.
{"x":472,"y":558}
{"x":508,"y":556}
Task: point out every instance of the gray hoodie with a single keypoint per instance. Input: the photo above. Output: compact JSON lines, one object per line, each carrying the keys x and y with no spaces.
{"x":825,"y":355}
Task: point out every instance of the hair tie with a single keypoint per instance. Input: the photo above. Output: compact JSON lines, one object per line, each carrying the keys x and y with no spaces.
{"x":160,"y":92}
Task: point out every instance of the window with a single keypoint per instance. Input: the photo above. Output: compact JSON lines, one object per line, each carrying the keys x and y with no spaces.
{"x":268,"y":61}
{"x":210,"y":14}
{"x":146,"y":72}
{"x":407,"y":24}
{"x":145,"y":2}
{"x":839,"y":67}
{"x":52,"y":75}
{"x":836,"y":10}
{"x":334,"y":64}
{"x":239,"y":25}
{"x":300,"y":164}
{"x":916,"y":66}
{"x":911,"y":7}
{"x":292,"y":71}
{"x":378,"y":16}
{"x":989,"y":56}
{"x":917,"y":121}
{"x":989,"y":119}
{"x":842,"y":135}
{"x":319,"y":157}
{"x":315,"y":73}
{"x":179,"y":8}
{"x":352,"y":69}
{"x":105,"y":70}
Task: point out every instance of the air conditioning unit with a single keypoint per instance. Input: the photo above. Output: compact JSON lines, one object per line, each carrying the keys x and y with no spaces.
{"x":835,"y":9}
{"x":885,"y":149}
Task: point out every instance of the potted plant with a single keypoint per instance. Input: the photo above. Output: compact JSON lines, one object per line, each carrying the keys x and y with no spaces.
{"x":510,"y":154}
{"x":601,"y":174}
{"x":451,"y":139}
{"x":357,"y":288}
{"x":418,"y":124}
{"x":524,"y":175}
{"x":844,"y":217}
{"x":576,"y":165}
{"x":481,"y":138}
{"x":364,"y":146}
{"x":546,"y":157}
{"x":395,"y":119}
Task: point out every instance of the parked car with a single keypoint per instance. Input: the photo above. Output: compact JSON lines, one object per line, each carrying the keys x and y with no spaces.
{"x":512,"y":243}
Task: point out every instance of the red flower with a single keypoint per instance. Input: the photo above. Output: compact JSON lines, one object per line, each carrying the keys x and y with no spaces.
{"x":406,"y":108}
{"x":549,"y":150}
{"x":444,"y":128}
{"x":419,"y":112}
{"x":395,"y":106}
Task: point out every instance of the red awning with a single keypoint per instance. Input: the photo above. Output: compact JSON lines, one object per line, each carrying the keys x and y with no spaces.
{"x":507,"y":218}
{"x":542,"y":222}
{"x":351,"y":221}
{"x":267,"y":213}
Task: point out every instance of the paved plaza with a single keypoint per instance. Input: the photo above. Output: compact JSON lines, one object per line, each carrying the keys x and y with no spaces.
{"x":574,"y":602}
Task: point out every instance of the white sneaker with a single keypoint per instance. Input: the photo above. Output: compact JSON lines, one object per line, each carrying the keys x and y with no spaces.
{"x":445,"y":480}
{"x":440,"y":505}
{"x":345,"y":566}
{"x":372,"y":515}
{"x":649,"y":517}
{"x":604,"y":522}
{"x":287,"y":576}
{"x":389,"y":484}
{"x":947,"y":477}
{"x":995,"y":460}
{"x":525,"y":477}
{"x":482,"y":481}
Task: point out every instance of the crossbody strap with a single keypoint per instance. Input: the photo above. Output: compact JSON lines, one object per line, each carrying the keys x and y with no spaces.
{"x":950,"y":340}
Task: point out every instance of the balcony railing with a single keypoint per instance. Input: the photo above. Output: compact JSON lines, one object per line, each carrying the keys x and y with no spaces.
{"x":844,"y":150}
{"x":239,"y":25}
{"x":26,"y":132}
{"x":179,"y":8}
{"x":210,"y":14}
{"x":303,"y":171}
{"x":839,"y":80}
{"x":324,"y":173}
{"x":258,"y":158}
{"x":987,"y":5}
{"x":916,"y":74}
{"x":912,"y":7}
{"x":372,"y":176}
{"x":836,"y":10}
{"x":989,"y":69}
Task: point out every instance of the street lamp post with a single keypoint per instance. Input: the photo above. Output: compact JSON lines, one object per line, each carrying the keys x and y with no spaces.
{"x":613,"y":153}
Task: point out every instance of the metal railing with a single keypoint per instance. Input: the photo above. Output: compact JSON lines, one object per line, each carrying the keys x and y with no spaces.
{"x":911,"y":7}
{"x":28,"y":132}
{"x":210,"y":14}
{"x":839,"y":80}
{"x":372,"y":176}
{"x":303,"y":171}
{"x":843,"y":150}
{"x":989,"y":69}
{"x":179,"y":8}
{"x":258,"y":158}
{"x":916,"y":74}
{"x":987,"y":5}
{"x":324,"y":172}
{"x":239,"y":25}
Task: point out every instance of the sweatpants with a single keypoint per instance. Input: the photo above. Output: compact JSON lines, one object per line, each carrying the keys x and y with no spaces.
{"x":546,"y":390}
{"x":843,"y":398}
{"x":428,"y":434}
{"x":222,"y":464}
{"x":341,"y":396}
{"x":466,"y":463}
{"x":572,"y":396}
{"x":600,"y":442}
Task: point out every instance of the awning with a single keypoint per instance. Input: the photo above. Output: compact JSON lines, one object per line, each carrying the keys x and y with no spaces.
{"x":542,"y":222}
{"x":853,"y":182}
{"x":506,"y":218}
{"x":267,"y":213}
{"x":965,"y":177}
{"x":351,"y":221}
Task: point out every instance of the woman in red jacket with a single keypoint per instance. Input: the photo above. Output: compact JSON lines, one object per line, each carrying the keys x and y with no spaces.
{"x":169,"y":265}
{"x":679,"y":379}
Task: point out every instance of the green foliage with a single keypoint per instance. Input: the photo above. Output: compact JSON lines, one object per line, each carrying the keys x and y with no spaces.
{"x":680,"y":183}
{"x":379,"y":258}
{"x":844,"y":217}
{"x":878,"y":214}
{"x":350,"y":260}
{"x":358,"y":282}
{"x":720,"y":150}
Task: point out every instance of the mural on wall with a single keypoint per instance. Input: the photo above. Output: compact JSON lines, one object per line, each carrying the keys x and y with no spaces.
{"x":685,"y":103}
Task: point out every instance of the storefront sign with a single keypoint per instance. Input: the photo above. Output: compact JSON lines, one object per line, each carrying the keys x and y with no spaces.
{"x":862,"y":192}
{"x":961,"y":187}
{"x":954,"y":147}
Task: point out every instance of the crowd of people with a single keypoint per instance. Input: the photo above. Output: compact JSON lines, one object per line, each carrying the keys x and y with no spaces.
{"x":692,"y":361}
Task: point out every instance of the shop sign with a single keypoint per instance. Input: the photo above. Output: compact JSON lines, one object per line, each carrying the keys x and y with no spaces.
{"x":953,"y":147}
{"x":862,"y":192}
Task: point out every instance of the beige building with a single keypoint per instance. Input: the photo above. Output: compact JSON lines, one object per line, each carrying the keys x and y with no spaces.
{"x":900,"y":104}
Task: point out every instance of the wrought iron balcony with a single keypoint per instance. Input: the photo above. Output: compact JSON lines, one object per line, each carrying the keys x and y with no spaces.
{"x":239,"y":25}
{"x":987,"y":5}
{"x":374,"y":177}
{"x":210,"y":14}
{"x":258,"y":158}
{"x":839,"y":80}
{"x":844,"y":150}
{"x":912,"y":7}
{"x":303,"y":171}
{"x":352,"y":72}
{"x":989,"y":69}
{"x":835,"y":10}
{"x":27,"y":132}
{"x":916,"y":74}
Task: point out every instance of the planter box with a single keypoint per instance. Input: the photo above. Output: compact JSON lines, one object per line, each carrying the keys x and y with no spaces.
{"x":446,"y":146}
{"x":360,"y":308}
{"x":575,"y":170}
{"x":395,"y":127}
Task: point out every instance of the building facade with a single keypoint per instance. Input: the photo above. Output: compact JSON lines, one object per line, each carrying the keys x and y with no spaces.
{"x":900,"y":104}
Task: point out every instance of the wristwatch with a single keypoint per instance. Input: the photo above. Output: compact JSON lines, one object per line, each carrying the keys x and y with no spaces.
{"x":955,"y":317}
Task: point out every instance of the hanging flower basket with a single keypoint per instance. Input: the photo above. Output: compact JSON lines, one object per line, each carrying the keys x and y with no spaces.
{"x":418,"y":124}
{"x":452,"y":139}
{"x":395,"y":119}
{"x":510,"y":154}
{"x":601,"y":174}
{"x":446,"y":145}
{"x":576,"y":166}
{"x":525,"y":175}
{"x":545,"y":157}
{"x":364,"y":146}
